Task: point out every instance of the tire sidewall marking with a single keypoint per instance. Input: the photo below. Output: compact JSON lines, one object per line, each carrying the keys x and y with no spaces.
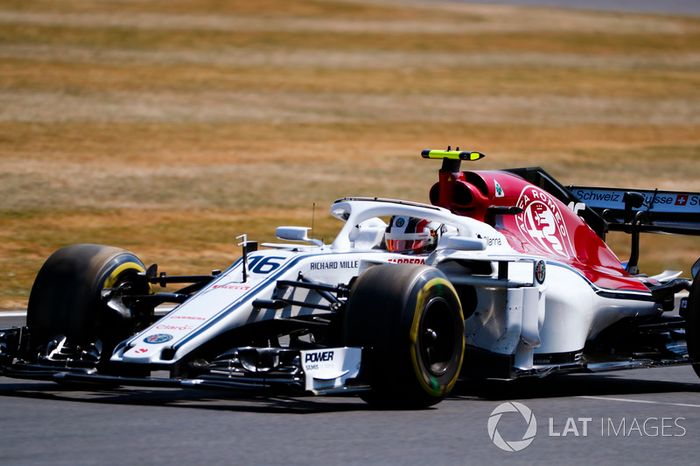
{"x":114,"y":274}
{"x":429,"y":382}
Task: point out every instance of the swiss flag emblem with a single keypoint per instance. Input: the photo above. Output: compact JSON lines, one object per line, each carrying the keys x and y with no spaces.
{"x":681,"y":199}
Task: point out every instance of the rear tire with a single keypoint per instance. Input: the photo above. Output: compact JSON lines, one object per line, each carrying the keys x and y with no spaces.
{"x":409,"y":321}
{"x":692,"y":330}
{"x":66,"y":300}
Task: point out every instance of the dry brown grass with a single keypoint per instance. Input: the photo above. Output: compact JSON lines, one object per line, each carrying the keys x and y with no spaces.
{"x":169,"y":127}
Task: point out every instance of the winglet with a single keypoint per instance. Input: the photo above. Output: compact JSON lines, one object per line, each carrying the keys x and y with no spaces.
{"x":471,"y":156}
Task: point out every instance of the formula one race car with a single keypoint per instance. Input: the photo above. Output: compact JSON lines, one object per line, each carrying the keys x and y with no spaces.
{"x":505,"y":275}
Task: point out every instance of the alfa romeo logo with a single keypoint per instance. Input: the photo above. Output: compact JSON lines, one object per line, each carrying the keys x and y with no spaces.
{"x":157,"y":338}
{"x":540,"y":272}
{"x":543,"y":222}
{"x":512,"y":445}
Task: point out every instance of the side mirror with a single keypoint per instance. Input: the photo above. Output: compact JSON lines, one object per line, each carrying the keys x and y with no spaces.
{"x":296,"y":234}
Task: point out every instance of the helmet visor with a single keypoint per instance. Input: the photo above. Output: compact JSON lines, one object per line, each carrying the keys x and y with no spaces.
{"x":404,"y":245}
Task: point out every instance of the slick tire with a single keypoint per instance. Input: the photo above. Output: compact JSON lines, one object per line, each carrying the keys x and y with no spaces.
{"x":692,"y":330}
{"x":65,"y":299}
{"x":409,"y":322}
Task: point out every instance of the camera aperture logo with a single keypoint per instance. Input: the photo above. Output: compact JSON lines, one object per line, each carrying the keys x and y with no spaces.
{"x":512,"y":445}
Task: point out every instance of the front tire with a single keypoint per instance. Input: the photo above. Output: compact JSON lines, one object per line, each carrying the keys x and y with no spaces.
{"x":409,"y":320}
{"x":66,"y":299}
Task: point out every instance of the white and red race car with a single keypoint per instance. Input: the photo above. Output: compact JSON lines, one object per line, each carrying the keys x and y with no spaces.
{"x":512,"y":279}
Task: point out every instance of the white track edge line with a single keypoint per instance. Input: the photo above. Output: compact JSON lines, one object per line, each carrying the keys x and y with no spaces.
{"x":629,"y":400}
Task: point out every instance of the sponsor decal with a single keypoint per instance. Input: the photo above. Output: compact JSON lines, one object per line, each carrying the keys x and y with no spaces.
{"x":176,"y":328}
{"x":317,"y":360}
{"x":499,"y":190}
{"x":335,"y":265}
{"x":330,"y":367}
{"x":157,"y":338}
{"x":400,"y":222}
{"x":681,"y":199}
{"x":187,"y":317}
{"x":490,"y":241}
{"x":141,"y":350}
{"x":231,"y":286}
{"x":659,"y":201}
{"x":540,"y":272}
{"x":322,"y":356}
{"x":543,"y":222}
{"x":605,"y":196}
{"x":407,"y":260}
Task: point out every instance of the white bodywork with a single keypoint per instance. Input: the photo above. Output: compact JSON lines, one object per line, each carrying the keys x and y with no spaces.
{"x":515,"y":316}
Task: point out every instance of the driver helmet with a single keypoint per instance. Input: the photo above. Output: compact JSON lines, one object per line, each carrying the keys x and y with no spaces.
{"x":411,"y":235}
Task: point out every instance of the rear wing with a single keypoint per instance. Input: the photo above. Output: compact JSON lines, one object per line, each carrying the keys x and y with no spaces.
{"x":644,"y":210}
{"x":619,"y":209}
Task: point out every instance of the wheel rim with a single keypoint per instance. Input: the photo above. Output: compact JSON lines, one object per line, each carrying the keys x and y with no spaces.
{"x":437,"y":342}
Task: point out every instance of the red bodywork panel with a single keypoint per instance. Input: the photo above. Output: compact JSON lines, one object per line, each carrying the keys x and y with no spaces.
{"x":546,"y":227}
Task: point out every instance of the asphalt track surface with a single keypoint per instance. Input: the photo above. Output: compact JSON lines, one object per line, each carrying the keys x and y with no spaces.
{"x":643,"y":416}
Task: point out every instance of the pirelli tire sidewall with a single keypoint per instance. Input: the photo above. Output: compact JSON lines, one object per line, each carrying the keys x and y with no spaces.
{"x":692,"y":330}
{"x":66,"y":295}
{"x":387,"y":315}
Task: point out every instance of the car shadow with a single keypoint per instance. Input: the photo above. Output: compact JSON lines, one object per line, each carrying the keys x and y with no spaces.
{"x":560,"y":386}
{"x":219,"y":400}
{"x":473,"y":390}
